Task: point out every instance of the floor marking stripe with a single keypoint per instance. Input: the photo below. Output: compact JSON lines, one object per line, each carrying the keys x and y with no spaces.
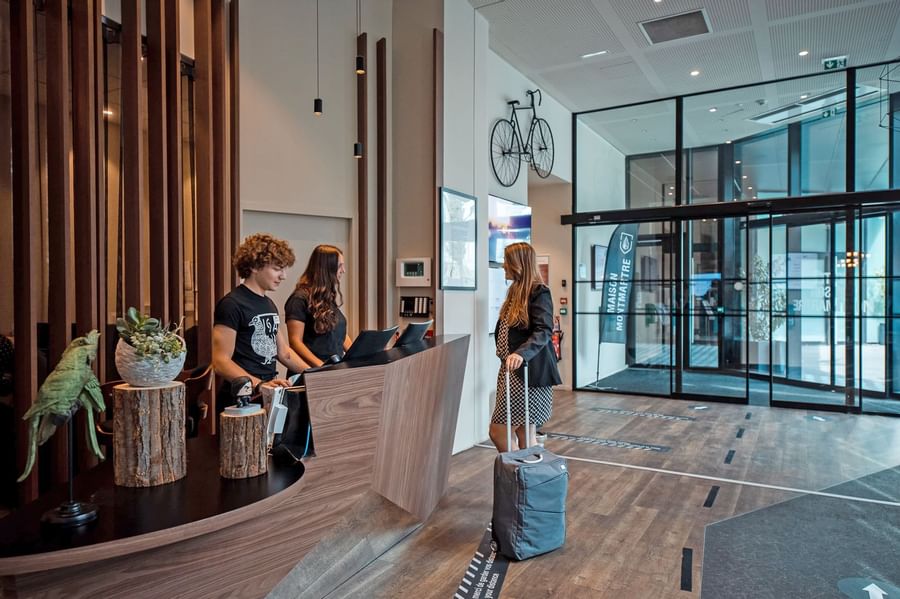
{"x":687,"y":572}
{"x":719,"y":479}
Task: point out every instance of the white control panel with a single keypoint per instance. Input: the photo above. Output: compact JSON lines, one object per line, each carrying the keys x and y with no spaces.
{"x":414,"y":272}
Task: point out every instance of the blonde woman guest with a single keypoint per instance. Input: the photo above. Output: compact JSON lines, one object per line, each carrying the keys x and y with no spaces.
{"x":522,"y":335}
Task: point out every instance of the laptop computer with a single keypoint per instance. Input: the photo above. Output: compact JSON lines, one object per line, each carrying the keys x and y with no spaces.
{"x":413,"y":333}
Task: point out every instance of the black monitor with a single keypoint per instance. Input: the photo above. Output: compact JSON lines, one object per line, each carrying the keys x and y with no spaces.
{"x":369,"y":343}
{"x":413,"y":333}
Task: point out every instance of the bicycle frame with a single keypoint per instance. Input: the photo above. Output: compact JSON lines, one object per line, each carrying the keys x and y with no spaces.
{"x":524,"y":142}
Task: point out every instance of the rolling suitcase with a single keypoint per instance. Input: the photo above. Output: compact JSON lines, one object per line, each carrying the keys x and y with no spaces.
{"x":530,"y":487}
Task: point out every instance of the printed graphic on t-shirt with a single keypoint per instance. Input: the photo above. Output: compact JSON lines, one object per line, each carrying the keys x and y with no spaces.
{"x":265,"y":330}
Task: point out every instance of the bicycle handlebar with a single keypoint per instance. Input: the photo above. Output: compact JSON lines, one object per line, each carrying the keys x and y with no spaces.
{"x":531,"y":93}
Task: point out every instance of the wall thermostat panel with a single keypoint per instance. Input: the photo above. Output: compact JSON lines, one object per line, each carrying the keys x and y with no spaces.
{"x":413,"y":272}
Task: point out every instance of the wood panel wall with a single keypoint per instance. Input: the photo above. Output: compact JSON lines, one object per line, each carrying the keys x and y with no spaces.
{"x":26,"y":232}
{"x":362,"y":183}
{"x":76,"y":175}
{"x":382,"y":175}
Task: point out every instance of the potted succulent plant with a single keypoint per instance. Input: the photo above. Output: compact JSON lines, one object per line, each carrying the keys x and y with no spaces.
{"x":148,"y":354}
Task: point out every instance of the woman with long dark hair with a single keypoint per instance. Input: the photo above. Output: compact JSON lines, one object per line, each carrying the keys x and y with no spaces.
{"x":317,"y":329}
{"x":523,"y":334}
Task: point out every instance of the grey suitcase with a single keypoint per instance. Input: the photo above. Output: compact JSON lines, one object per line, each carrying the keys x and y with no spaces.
{"x":530,"y":487}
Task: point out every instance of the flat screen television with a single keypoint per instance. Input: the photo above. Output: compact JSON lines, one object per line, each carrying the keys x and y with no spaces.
{"x":508,"y":223}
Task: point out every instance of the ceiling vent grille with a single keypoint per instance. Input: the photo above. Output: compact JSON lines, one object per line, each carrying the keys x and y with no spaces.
{"x":675,"y":27}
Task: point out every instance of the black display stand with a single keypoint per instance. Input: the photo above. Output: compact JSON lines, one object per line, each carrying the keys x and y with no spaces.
{"x":71,"y":512}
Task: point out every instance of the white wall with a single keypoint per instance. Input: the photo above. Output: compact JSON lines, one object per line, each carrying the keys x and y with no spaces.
{"x":505,"y":83}
{"x":601,"y":172}
{"x":293,"y":162}
{"x":550,"y":238}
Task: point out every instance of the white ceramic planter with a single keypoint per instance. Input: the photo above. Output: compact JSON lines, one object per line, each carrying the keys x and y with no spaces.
{"x":142,"y":371}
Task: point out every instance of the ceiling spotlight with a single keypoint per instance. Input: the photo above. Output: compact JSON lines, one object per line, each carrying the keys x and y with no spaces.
{"x":803,"y":53}
{"x":804,"y":96}
{"x":694,"y":73}
{"x":743,"y":176}
{"x":749,"y":187}
{"x":590,"y":54}
{"x":713,"y":109}
{"x":728,"y":141}
{"x":737,"y":161}
{"x":657,"y":1}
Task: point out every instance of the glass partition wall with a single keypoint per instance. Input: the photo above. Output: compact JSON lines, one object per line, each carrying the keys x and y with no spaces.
{"x":739,"y":245}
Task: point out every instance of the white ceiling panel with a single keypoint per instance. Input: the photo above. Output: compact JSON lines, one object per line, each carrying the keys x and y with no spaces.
{"x":722,"y":15}
{"x":863,"y":33}
{"x":545,"y":34}
{"x":597,"y":85}
{"x":715,"y":57}
{"x":782,"y":9}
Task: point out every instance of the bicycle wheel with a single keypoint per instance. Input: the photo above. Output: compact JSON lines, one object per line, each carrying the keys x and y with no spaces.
{"x":542,"y":149}
{"x":505,"y":152}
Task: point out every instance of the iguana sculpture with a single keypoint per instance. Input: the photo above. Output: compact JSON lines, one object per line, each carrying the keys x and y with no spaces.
{"x":71,"y":385}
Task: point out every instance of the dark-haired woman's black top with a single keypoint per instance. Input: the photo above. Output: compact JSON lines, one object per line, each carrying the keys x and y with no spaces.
{"x":533,"y":342}
{"x":322,"y":345}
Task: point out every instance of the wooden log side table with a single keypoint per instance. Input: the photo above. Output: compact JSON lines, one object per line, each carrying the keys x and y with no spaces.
{"x":148,"y":435}
{"x":242,"y":444}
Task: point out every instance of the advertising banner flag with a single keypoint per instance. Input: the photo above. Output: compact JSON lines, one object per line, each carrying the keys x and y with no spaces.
{"x":619,"y":276}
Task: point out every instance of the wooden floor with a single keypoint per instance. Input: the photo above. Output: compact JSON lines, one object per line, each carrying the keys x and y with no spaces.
{"x":627,"y":527}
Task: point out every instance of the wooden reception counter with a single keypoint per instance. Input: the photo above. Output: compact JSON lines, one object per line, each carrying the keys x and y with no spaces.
{"x":384,"y":425}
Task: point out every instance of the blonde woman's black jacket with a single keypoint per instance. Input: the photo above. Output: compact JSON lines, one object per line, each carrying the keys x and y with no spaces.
{"x":533,"y":342}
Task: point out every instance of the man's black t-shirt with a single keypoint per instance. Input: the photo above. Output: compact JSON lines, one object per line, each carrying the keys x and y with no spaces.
{"x":322,"y":345}
{"x":255,"y":318}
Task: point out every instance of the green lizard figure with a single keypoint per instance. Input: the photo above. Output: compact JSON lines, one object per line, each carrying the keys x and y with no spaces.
{"x":71,"y":385}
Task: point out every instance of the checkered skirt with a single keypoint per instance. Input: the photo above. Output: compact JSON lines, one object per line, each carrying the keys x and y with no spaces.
{"x":540,"y":399}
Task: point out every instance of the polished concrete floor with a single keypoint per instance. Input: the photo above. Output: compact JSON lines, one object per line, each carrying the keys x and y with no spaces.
{"x":649,"y":479}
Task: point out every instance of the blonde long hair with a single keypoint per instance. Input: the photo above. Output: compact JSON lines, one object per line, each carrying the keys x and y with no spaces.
{"x":520,"y":262}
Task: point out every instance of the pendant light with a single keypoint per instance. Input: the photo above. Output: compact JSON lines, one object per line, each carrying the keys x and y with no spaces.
{"x":360,"y":61}
{"x":357,"y":150}
{"x":317,"y":103}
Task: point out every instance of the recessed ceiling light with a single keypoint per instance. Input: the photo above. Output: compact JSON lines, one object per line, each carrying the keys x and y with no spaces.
{"x":803,"y":53}
{"x":749,"y":187}
{"x":671,"y":188}
{"x":737,"y":161}
{"x":728,"y":141}
{"x":589,"y":54}
{"x":657,"y":1}
{"x":804,"y":96}
{"x":694,"y":73}
{"x":743,"y":176}
{"x":754,"y":197}
{"x":713,"y":109}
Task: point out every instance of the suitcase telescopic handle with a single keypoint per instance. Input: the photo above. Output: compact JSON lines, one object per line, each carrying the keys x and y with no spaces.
{"x":509,"y":412}
{"x":540,"y":458}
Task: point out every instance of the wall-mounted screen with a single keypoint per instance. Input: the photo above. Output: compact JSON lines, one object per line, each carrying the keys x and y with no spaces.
{"x":508,"y":223}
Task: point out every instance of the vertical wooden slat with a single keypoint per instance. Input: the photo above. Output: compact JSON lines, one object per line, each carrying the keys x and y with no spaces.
{"x":60,"y":300}
{"x":105,"y":344}
{"x":362,"y":186}
{"x":437,"y":86}
{"x":220,"y":154}
{"x":381,"y":207}
{"x":26,"y":247}
{"x":132,"y":160}
{"x":203,"y":147}
{"x":157,"y":124}
{"x":235,"y":90}
{"x":84,"y":123}
{"x":174,"y":182}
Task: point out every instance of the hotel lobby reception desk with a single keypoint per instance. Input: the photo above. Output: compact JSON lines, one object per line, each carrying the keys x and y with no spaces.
{"x":382,"y":426}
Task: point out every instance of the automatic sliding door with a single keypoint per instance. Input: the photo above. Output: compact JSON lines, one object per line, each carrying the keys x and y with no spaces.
{"x":715,"y":317}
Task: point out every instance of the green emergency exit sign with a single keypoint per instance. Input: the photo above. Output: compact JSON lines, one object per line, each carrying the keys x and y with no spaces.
{"x":836,"y":62}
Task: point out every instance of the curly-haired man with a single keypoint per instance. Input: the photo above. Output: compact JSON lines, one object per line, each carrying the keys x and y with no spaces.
{"x":247,"y":336}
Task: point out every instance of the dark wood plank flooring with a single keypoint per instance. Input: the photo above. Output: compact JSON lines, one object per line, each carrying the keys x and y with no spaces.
{"x":627,"y":527}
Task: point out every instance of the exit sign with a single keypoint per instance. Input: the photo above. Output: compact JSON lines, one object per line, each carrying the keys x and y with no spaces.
{"x":837,"y":62}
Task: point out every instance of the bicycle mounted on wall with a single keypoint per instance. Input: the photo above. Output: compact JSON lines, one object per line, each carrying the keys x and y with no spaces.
{"x":507,"y":143}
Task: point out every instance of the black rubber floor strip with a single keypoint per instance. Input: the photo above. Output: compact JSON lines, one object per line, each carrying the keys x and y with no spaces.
{"x":687,"y":569}
{"x":730,"y":456}
{"x":740,"y":433}
{"x":749,"y":414}
{"x":711,"y":498}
